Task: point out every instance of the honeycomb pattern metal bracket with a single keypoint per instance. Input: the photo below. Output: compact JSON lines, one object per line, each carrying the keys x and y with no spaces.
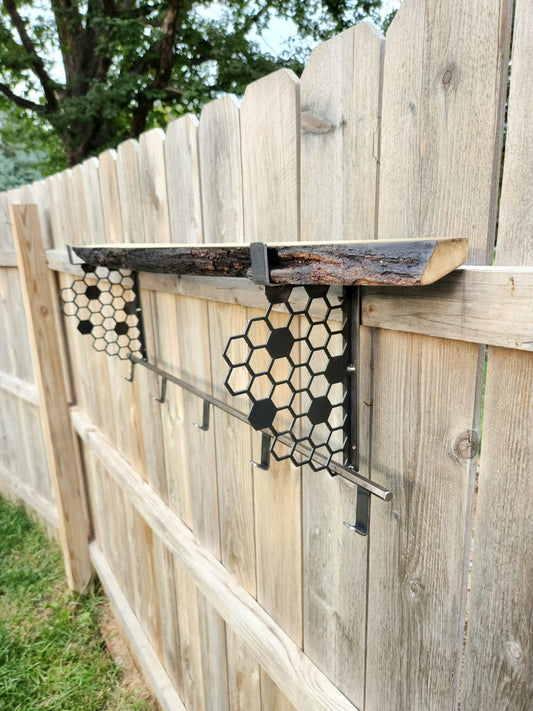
{"x":298,"y":376}
{"x":297,"y":365}
{"x":106,"y":305}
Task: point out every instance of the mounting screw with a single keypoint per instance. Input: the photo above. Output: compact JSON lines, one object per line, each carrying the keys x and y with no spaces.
{"x":350,"y":368}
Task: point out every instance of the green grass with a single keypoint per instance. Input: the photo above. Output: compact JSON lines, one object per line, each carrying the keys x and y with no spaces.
{"x":51,"y":653}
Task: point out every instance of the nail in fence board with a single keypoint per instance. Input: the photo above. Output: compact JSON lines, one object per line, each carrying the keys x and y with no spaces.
{"x":443,"y":99}
{"x":499,"y":646}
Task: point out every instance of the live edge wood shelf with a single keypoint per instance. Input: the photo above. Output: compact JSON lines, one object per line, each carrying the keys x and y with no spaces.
{"x":403,"y":262}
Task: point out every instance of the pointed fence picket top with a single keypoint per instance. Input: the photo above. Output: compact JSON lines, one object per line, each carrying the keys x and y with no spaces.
{"x":340,"y":105}
{"x":130,"y":190}
{"x":270,"y":140}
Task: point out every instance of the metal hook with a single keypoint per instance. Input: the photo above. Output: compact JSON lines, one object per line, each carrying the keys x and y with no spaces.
{"x":130,"y":377}
{"x":205,"y":417}
{"x":264,"y":464}
{"x":162,"y":398}
{"x":362,"y":513}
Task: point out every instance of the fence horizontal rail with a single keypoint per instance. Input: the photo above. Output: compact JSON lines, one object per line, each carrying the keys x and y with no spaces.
{"x":20,"y":388}
{"x":29,"y":495}
{"x":486,"y":305}
{"x":291,"y":670}
{"x":154,"y":672}
{"x":8,"y":259}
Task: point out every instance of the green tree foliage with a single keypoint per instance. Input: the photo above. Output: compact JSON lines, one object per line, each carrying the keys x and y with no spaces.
{"x":29,"y":149}
{"x":132,"y":64}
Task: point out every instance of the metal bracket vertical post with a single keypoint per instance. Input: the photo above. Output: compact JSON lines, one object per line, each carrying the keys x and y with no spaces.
{"x":352,"y":312}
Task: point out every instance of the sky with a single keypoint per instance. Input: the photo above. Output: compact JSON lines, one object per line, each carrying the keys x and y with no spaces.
{"x":280,"y":30}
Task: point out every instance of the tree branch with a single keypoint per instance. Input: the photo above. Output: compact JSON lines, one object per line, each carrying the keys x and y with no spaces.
{"x":20,"y":101}
{"x":252,"y":20}
{"x":69,"y":26}
{"x":166,"y":45}
{"x":37,"y":63}
{"x":165,"y":49}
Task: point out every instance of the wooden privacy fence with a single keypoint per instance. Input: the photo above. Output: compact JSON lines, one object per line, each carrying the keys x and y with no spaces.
{"x":240,"y":588}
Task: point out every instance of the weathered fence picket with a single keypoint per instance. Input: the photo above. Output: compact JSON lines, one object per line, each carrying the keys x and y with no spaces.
{"x":191,"y":353}
{"x":240,"y":588}
{"x":499,"y":646}
{"x":438,"y":175}
{"x":219,"y":149}
{"x":340,"y":94}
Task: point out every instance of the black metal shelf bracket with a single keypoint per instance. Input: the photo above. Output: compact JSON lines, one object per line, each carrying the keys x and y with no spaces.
{"x":300,"y":370}
{"x":292,"y":364}
{"x":298,"y":367}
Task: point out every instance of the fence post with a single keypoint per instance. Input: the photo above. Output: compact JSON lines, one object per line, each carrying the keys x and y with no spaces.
{"x":62,"y":450}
